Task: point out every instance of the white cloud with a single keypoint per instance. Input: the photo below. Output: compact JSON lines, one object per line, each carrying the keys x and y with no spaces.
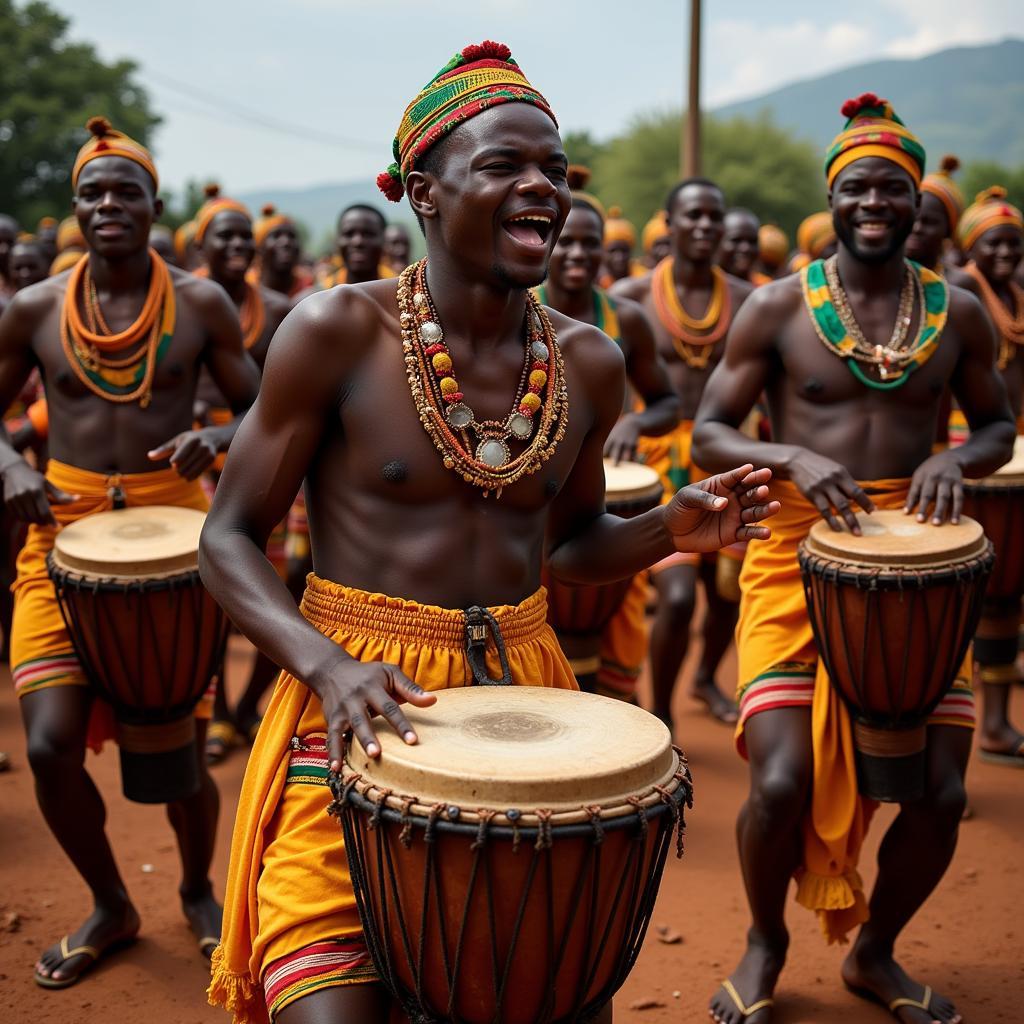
{"x":939,"y":24}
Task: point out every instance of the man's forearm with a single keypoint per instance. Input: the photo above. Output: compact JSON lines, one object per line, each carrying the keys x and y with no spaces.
{"x":986,"y":449}
{"x":9,"y":456}
{"x":610,"y":548}
{"x":718,"y":447}
{"x":224,"y":434}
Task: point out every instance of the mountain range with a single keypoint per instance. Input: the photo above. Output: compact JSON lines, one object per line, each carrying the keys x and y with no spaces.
{"x":966,"y":100}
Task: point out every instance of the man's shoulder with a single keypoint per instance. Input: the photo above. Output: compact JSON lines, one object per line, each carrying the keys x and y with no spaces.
{"x":38,"y":300}
{"x":780,"y":297}
{"x":278,"y":306}
{"x":634,"y":288}
{"x":585,"y":345}
{"x":349,"y":315}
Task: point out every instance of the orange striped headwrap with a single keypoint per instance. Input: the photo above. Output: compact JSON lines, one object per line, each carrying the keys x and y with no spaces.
{"x":108,"y":141}
{"x":618,"y":229}
{"x":815,"y":234}
{"x":216,"y":203}
{"x":474,"y":80}
{"x":772,"y":245}
{"x":940,"y":184}
{"x":270,"y":220}
{"x":69,"y":235}
{"x":655,"y":228}
{"x":183,"y":238}
{"x":873,"y":129}
{"x":989,"y":210}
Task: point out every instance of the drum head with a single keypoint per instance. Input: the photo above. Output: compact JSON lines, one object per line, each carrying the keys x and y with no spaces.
{"x":891,"y":538}
{"x":1009,"y":475}
{"x":132,"y":543}
{"x":629,"y":480}
{"x":502,"y":747}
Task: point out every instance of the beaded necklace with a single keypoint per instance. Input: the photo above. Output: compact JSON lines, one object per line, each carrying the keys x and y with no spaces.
{"x":1009,"y":325}
{"x":88,"y":345}
{"x":692,"y":347}
{"x":832,"y":317}
{"x":252,"y":315}
{"x":478,"y":450}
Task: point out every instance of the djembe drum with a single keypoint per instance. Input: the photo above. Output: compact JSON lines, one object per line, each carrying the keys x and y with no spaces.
{"x":997,"y":502}
{"x":893,"y":613}
{"x":148,"y":635}
{"x":506,"y":866}
{"x":579,"y":613}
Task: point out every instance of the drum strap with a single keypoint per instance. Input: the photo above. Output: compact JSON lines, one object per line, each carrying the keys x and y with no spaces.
{"x":480,"y":622}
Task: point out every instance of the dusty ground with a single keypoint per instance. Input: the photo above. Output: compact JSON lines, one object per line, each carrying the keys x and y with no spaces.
{"x":967,"y":942}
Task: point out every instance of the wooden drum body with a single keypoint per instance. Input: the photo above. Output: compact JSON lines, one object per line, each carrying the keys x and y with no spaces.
{"x":893,"y":613}
{"x":579,"y":614}
{"x":148,"y":635}
{"x":506,"y":866}
{"x":997,"y":502}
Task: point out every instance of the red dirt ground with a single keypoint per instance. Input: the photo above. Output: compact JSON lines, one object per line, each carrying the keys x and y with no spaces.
{"x":966,"y":942}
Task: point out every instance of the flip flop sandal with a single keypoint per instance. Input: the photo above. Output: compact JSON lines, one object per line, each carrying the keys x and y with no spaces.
{"x":94,"y":954}
{"x":221,"y":739}
{"x":924,"y":1003}
{"x":1008,"y":759}
{"x":745,"y":1011}
{"x":207,"y":944}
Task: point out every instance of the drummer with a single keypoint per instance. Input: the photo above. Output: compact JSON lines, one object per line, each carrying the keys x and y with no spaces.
{"x":690,"y":303}
{"x":408,"y":527}
{"x":571,"y":288}
{"x":118,"y":436}
{"x":847,"y":439}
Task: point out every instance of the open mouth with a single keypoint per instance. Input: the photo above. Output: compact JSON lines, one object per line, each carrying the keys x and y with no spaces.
{"x":532,"y":229}
{"x":873,"y":228}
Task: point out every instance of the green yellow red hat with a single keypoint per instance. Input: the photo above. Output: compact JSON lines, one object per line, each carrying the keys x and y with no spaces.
{"x":108,"y":141}
{"x":873,"y":129}
{"x":990,"y":209}
{"x":474,"y":80}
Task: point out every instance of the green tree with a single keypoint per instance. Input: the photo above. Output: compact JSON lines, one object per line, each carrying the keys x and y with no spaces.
{"x":581,"y":148}
{"x":49,"y":87}
{"x":978,"y":176}
{"x":757,"y":164}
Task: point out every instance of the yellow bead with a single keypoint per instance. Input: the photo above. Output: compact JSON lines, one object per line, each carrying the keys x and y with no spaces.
{"x":449,"y":385}
{"x":442,"y":362}
{"x":538,"y":378}
{"x":532,"y":402}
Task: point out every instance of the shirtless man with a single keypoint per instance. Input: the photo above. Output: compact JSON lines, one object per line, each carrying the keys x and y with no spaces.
{"x":835,"y":431}
{"x":140,"y":449}
{"x":279,"y":252}
{"x":8,"y":236}
{"x":390,"y":518}
{"x":397,"y":247}
{"x":689,"y":303}
{"x":571,"y":289}
{"x":740,"y":248}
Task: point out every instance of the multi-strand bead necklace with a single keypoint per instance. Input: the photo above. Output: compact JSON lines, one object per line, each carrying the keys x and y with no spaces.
{"x":479,"y":450}
{"x":89,"y":344}
{"x":1009,"y":325}
{"x":693,"y":337}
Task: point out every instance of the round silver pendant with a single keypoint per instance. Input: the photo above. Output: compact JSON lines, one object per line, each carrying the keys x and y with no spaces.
{"x":492,"y":453}
{"x":459,"y":415}
{"x":539,"y":351}
{"x":520,"y":426}
{"x":430,"y":333}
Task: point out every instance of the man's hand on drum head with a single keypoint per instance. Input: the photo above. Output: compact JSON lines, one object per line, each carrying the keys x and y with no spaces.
{"x":622,"y":442}
{"x":939,"y":480}
{"x":828,"y":486}
{"x":721,"y":510}
{"x":28,"y":495}
{"x":190,"y":453}
{"x":352,"y":692}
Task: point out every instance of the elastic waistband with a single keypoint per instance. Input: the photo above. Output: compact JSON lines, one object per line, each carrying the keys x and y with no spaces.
{"x":84,"y":481}
{"x":331,"y":606}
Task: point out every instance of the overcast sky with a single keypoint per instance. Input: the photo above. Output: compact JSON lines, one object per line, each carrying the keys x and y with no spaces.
{"x":338,"y":73}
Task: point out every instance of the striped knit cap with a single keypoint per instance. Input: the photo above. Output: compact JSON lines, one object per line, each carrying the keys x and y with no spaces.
{"x":216,"y":203}
{"x":940,"y":184}
{"x":105,"y":140}
{"x":989,"y":210}
{"x":474,"y":80}
{"x":873,"y":129}
{"x":269,"y":220}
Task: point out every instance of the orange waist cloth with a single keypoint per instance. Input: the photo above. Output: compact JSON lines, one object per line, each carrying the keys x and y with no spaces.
{"x":288,"y":885}
{"x":774,"y":634}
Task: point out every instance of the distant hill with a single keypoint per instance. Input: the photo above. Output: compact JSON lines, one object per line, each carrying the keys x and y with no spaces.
{"x":966,"y":101}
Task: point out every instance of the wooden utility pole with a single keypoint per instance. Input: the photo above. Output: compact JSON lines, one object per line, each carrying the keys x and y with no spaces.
{"x":689,"y":157}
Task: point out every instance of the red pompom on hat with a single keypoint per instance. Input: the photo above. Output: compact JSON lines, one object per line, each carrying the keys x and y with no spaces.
{"x":98,"y":126}
{"x":487,"y":50}
{"x":949,"y":163}
{"x":390,"y":183}
{"x":865,"y":100}
{"x":268,"y":210}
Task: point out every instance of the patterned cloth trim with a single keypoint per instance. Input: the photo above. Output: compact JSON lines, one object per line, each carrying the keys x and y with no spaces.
{"x":53,"y":670}
{"x":317,"y":966}
{"x":307,"y":761}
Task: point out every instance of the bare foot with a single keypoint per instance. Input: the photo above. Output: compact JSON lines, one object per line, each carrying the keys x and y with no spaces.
{"x":753,"y":981}
{"x":204,"y":916}
{"x":717,"y":703}
{"x":880,"y":979}
{"x":103,"y":929}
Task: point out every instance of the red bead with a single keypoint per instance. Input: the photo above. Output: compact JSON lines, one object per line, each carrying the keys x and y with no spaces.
{"x":455,"y":396}
{"x":432,"y":350}
{"x":538,"y":365}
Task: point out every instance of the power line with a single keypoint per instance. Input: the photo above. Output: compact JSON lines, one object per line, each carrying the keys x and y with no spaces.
{"x":305,"y":132}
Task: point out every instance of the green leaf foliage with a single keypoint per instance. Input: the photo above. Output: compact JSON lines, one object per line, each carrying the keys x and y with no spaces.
{"x":49,"y":87}
{"x":756,"y":163}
